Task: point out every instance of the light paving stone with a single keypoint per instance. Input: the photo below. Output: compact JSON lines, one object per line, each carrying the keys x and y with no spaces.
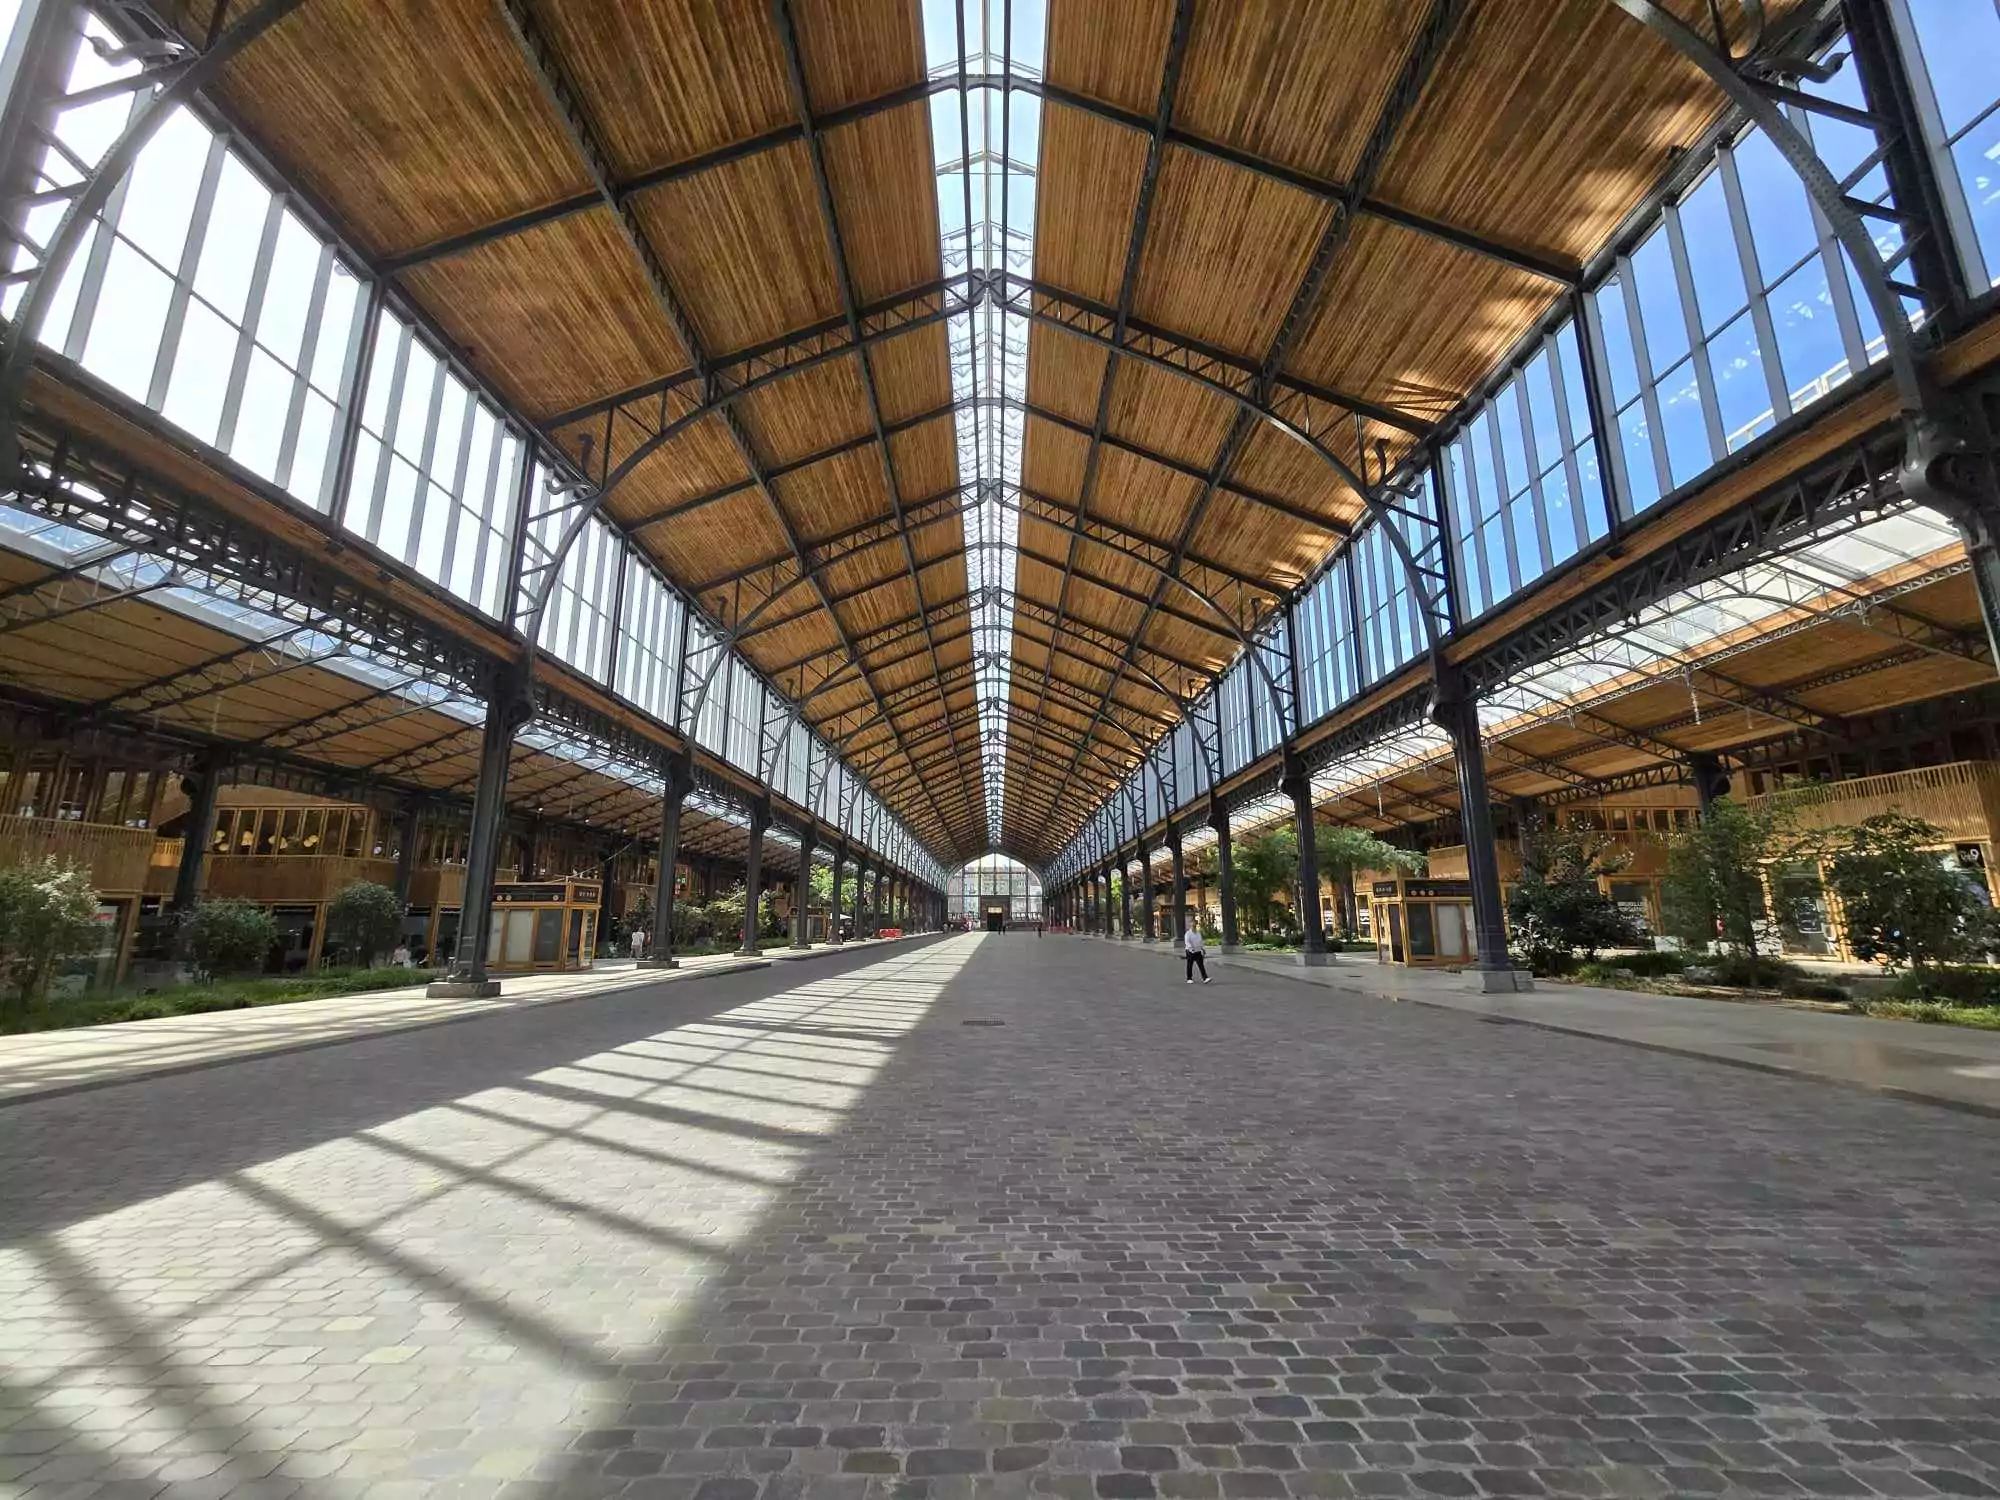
{"x":802,"y":1232}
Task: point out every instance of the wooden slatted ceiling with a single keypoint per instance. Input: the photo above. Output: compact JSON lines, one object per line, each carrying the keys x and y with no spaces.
{"x":562,"y":315}
{"x":98,"y":655}
{"x":1545,"y":123}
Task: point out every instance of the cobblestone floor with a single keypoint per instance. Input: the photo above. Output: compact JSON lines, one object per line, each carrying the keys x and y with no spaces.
{"x":821,"y":1232}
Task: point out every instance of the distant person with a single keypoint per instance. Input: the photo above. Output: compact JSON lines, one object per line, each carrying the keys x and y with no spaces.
{"x":638,"y":941}
{"x":1196,"y":952}
{"x":401,"y":957}
{"x":1038,"y":929}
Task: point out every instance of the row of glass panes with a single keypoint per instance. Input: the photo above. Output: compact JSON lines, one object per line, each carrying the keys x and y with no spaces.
{"x":202,"y":294}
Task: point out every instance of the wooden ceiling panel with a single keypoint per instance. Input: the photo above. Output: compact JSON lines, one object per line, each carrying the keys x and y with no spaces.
{"x":1169,"y":413}
{"x":885,"y":192}
{"x":912,"y":374}
{"x":729,"y":534}
{"x":697,"y":461}
{"x":744,"y":248}
{"x":672,"y":79}
{"x":1275,"y":463}
{"x":1086,"y":192}
{"x":1552,"y":121}
{"x":414,"y":121}
{"x":1419,"y":364}
{"x":1064,"y":374}
{"x":1141,"y":496}
{"x":1216,"y":226}
{"x":926,"y":460}
{"x":558,"y":317}
{"x":858,"y":49}
{"x":1115,"y":50}
{"x":807,"y":412}
{"x":1052,"y":460}
{"x":831,"y":496}
{"x":1260,"y":541}
{"x":1300,"y":82}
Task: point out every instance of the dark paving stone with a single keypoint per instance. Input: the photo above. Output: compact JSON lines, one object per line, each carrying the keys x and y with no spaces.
{"x":1255,"y":1241}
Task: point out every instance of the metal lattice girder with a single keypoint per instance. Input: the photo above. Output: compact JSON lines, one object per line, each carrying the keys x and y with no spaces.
{"x":462,"y":740}
{"x":573,"y":114}
{"x":1549,"y":267}
{"x":1430,"y":587}
{"x":1642,"y":779}
{"x":238,"y":666}
{"x":79,"y":590}
{"x":1859,"y":480}
{"x":381,"y":707}
{"x":72,"y":480}
{"x":850,"y":303}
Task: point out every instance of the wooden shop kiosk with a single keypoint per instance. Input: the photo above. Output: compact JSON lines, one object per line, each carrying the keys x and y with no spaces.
{"x":543,"y":926}
{"x":1420,"y":921}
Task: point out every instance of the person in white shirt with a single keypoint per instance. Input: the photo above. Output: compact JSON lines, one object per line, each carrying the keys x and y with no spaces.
{"x":1196,"y":953}
{"x":638,"y":941}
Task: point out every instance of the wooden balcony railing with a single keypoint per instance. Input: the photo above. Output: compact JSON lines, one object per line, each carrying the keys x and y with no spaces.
{"x":117,"y":857}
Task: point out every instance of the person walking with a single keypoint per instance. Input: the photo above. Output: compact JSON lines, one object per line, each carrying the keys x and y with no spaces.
{"x":1038,"y":927}
{"x":638,"y":941}
{"x":1196,"y":953}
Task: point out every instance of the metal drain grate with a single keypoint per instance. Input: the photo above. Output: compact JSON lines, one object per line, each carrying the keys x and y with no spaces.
{"x":982,"y":1023}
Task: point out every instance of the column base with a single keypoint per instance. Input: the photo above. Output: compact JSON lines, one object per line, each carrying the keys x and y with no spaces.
{"x":1320,"y":960}
{"x":1500,"y":981}
{"x":669,"y":962}
{"x":798,"y":947}
{"x":1230,"y":948}
{"x":748,"y":953}
{"x":462,"y":989}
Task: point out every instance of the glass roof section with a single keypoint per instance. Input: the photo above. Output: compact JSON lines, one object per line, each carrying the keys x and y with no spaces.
{"x":984,"y":140}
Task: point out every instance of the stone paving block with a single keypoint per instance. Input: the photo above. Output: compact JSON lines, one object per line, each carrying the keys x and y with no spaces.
{"x":807,"y":1235}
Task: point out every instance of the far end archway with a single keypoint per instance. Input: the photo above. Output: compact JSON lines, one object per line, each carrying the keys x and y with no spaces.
{"x":992,"y":893}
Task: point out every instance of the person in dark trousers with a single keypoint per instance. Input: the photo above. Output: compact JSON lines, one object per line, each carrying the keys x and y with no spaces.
{"x":1038,"y":929}
{"x":1196,"y":952}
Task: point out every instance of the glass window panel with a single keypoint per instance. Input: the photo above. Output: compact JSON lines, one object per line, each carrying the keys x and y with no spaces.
{"x":1619,"y":351}
{"x":336,"y":325}
{"x":260,"y":419}
{"x":1714,"y":264}
{"x":431,"y":533}
{"x":160,"y":191}
{"x":281,"y":323}
{"x":1960,"y":40}
{"x":1542,"y":411}
{"x":308,"y":477}
{"x":201,"y":373}
{"x":1781,"y":221}
{"x":1741,"y":392}
{"x":399,"y":498}
{"x":235,"y":229}
{"x":1660,"y":302}
{"x":1527,"y":539}
{"x":1685,"y":426}
{"x":1642,"y":481}
{"x":381,"y":373}
{"x":1506,"y":410}
{"x":1565,"y":536}
{"x":1810,"y":350}
{"x":131,"y":313}
{"x":1977,"y":158}
{"x":413,"y":418}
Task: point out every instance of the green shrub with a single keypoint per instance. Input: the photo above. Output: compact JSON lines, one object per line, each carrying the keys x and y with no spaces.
{"x":364,"y":919}
{"x":1903,"y":906}
{"x":1556,"y":908}
{"x":1748,"y":971}
{"x":1606,"y":971}
{"x":1931,"y":1012}
{"x":230,"y":937}
{"x":48,"y":912}
{"x":1813,"y":989}
{"x":1973,"y":985}
{"x":1651,"y":963}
